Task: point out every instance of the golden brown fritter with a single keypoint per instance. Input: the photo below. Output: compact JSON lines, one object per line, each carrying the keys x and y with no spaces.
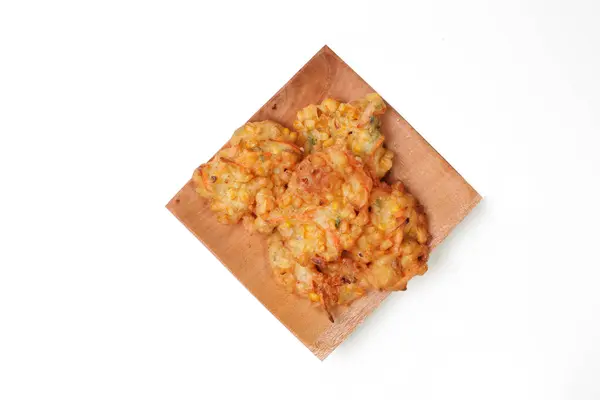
{"x":328,"y":284}
{"x":325,"y":205}
{"x":354,"y":126}
{"x":244,"y":179}
{"x":394,"y":243}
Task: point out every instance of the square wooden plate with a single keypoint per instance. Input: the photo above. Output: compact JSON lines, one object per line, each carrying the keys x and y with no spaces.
{"x":445,"y":195}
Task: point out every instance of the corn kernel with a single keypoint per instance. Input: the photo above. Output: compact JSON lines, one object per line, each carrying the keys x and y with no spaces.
{"x":386,"y":244}
{"x":314,"y":297}
{"x":344,"y":226}
{"x":421,"y":235}
{"x":287,"y":200}
{"x":330,"y":104}
{"x":297,"y":202}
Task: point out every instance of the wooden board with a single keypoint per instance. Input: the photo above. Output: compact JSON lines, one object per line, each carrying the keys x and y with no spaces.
{"x":445,"y":195}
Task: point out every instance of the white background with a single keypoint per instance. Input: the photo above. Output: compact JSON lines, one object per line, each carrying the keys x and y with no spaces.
{"x":107,"y":107}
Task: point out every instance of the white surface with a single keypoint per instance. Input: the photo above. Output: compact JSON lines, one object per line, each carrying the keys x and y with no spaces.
{"x":106,"y":108}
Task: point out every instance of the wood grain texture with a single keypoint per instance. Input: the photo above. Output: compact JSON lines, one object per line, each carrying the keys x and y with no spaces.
{"x":445,"y":195}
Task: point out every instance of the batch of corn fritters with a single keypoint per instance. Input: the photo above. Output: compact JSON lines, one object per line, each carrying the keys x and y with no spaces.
{"x":335,"y":228}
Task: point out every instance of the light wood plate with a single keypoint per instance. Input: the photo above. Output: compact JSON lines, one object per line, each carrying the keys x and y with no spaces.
{"x":445,"y":195}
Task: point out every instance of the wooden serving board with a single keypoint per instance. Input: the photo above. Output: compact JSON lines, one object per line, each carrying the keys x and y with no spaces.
{"x":445,"y":195}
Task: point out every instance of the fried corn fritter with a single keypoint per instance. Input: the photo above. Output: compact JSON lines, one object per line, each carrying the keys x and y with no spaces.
{"x":328,"y":284}
{"x":335,"y":229}
{"x":394,"y":243}
{"x":244,"y":179}
{"x":352,"y":125}
{"x":325,"y":205}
